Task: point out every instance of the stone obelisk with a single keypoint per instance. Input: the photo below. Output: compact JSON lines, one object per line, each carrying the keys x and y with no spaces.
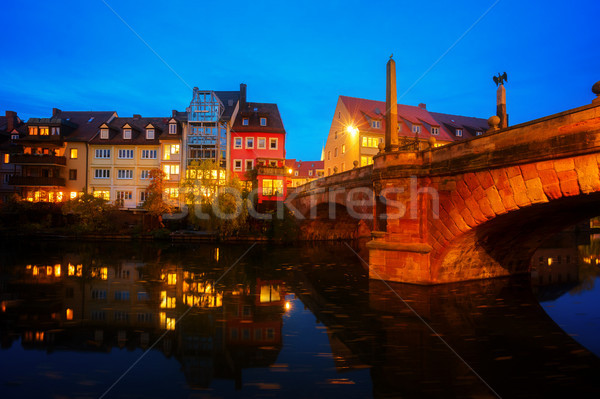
{"x":501,"y":106}
{"x":391,"y":106}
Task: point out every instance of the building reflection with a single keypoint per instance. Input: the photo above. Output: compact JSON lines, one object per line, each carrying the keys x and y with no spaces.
{"x":215,"y":329}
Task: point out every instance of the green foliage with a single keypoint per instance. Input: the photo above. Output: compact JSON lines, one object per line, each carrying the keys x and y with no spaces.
{"x":215,"y":203}
{"x":93,"y":214}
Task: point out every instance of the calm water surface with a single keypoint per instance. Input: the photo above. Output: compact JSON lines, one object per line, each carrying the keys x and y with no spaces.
{"x":283,"y":321}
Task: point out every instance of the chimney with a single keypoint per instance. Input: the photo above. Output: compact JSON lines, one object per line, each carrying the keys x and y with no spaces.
{"x":11,"y":120}
{"x":501,"y":106}
{"x":137,"y":116}
{"x":423,"y":106}
{"x":391,"y":106}
{"x":55,"y":112}
{"x":173,"y":113}
{"x":242,"y":96}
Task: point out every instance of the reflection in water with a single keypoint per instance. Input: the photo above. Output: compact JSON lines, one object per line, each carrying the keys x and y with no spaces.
{"x":247,"y":329}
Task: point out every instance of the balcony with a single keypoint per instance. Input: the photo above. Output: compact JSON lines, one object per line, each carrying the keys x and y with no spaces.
{"x":30,"y":159}
{"x":35,"y":181}
{"x":270,"y":170}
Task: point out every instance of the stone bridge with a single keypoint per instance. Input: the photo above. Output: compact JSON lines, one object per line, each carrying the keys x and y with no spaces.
{"x":468,"y":210}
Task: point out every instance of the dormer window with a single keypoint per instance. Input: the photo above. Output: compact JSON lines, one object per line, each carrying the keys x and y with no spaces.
{"x":172,"y":128}
{"x":149,"y":134}
{"x":104,"y":134}
{"x":416,"y":129}
{"x":33,"y":130}
{"x":263,"y":121}
{"x":14,"y":136}
{"x":44,"y":131}
{"x":375,"y":124}
{"x":127,"y":134}
{"x":458,"y":132}
{"x":244,"y":121}
{"x":478,"y":133}
{"x":55,"y":131}
{"x":435,"y":130}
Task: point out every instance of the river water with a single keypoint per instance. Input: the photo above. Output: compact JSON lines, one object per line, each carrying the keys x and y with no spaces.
{"x":147,"y":320}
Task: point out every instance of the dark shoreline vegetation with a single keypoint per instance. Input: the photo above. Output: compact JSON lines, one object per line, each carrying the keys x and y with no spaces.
{"x":94,"y":218}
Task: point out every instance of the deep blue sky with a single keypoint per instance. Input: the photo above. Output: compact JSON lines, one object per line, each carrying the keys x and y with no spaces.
{"x":77,"y":55}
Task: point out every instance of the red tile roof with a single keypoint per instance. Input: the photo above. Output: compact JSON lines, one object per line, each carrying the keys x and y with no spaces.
{"x":303,"y":167}
{"x":362,"y":111}
{"x":254,"y":111}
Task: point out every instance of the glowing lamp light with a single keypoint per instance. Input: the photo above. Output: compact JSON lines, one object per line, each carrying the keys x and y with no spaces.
{"x":352,"y":130}
{"x":288,"y":306}
{"x":290,"y":171}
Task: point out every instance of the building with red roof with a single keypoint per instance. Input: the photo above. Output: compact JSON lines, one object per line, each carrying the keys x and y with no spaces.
{"x":358,"y":127}
{"x":257,"y":152}
{"x":302,"y":172}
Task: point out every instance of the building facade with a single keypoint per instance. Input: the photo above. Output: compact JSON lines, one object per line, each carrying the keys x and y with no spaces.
{"x":358,"y":127}
{"x":302,"y":172}
{"x":11,"y":129}
{"x":257,"y":149}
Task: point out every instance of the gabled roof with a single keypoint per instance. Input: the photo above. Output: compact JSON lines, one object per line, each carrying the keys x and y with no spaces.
{"x":302,"y":167}
{"x":138,"y":131}
{"x":254,"y":111}
{"x":86,"y":123}
{"x":229,"y":100}
{"x":362,"y":111}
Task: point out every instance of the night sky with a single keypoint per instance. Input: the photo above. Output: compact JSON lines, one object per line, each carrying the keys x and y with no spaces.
{"x":79,"y":55}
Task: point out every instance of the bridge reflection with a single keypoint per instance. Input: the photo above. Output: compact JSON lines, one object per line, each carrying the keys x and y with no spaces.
{"x":497,"y":326}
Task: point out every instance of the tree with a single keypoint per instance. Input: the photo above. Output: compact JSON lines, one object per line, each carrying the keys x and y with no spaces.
{"x":155,"y":203}
{"x":214,"y":202}
{"x":93,"y":212}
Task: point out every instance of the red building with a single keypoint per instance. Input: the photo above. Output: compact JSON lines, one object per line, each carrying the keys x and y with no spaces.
{"x":257,"y":149}
{"x":302,"y":172}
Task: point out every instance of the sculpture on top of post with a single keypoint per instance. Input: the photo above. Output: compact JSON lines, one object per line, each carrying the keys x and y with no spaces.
{"x":501,"y":99}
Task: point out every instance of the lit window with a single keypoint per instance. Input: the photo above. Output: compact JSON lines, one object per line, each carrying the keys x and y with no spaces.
{"x":273,"y":143}
{"x":244,"y":121}
{"x":104,"y":134}
{"x":237,"y":165}
{"x":237,"y":142}
{"x":435,"y":130}
{"x":33,"y":130}
{"x":175,"y":149}
{"x":149,"y":134}
{"x":127,"y":134}
{"x":172,"y":278}
{"x":271,"y":187}
{"x":69,"y":314}
{"x":6,"y":158}
{"x":343,"y":148}
{"x":124,"y":174}
{"x":172,"y":128}
{"x":263,"y":121}
{"x":73,"y":153}
{"x":73,"y":195}
{"x":104,"y":194}
{"x":249,"y":164}
{"x":262,"y":143}
{"x":44,"y":131}
{"x":458,"y":132}
{"x":249,"y":142}
{"x":364,"y":160}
